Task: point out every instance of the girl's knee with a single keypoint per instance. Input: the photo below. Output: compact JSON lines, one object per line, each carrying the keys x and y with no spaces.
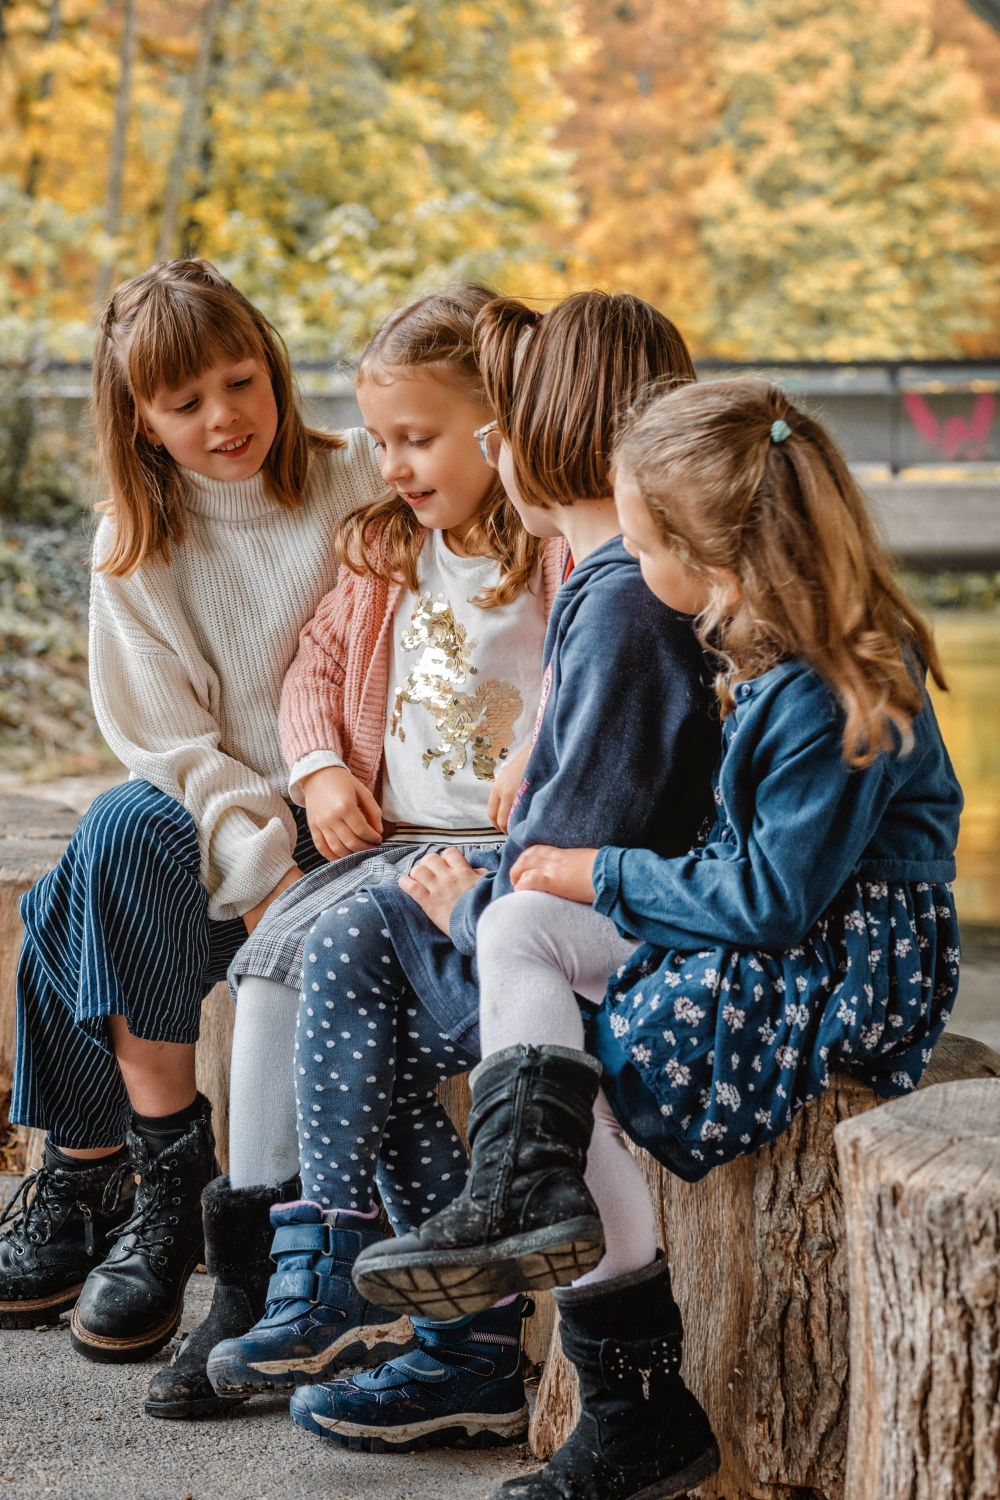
{"x":136,"y":813}
{"x":514,"y":924}
{"x":356,"y":918}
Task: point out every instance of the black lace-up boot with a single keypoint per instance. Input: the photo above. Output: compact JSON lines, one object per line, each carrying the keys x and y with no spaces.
{"x":641,"y":1432}
{"x":131,"y":1304}
{"x":525,"y":1219}
{"x":57,"y":1233}
{"x":238,"y":1234}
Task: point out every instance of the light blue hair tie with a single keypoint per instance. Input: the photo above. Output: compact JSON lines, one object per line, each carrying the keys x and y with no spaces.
{"x":780,"y":430}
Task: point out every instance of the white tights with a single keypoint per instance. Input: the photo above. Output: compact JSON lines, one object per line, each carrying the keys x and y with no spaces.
{"x":263,"y":1139}
{"x":536,"y":953}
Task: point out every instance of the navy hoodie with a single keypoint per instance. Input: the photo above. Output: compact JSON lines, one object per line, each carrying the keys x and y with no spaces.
{"x":625,"y":746}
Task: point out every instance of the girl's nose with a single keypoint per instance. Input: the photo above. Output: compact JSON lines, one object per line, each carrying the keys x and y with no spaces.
{"x":393,"y":466}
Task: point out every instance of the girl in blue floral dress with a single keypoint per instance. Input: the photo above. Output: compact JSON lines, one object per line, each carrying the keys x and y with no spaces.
{"x":813,"y":929}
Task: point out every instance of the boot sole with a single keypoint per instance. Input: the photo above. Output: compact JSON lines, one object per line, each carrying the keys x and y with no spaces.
{"x":452,"y":1283}
{"x":685,"y":1479}
{"x":364,"y":1346}
{"x":108,"y":1351}
{"x":460,"y":1430}
{"x":29,"y":1313}
{"x":179,"y":1411}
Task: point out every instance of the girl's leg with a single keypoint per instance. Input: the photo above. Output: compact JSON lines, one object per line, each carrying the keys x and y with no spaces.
{"x":367,"y":1059}
{"x":536,"y":953}
{"x":263,"y":1143}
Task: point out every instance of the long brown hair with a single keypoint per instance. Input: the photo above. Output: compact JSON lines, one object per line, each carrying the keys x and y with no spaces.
{"x":435,"y":333}
{"x":783,"y":514}
{"x":559,"y":385}
{"x":158,"y":331}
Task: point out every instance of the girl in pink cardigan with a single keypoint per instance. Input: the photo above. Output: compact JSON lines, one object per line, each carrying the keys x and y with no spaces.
{"x":416,"y":683}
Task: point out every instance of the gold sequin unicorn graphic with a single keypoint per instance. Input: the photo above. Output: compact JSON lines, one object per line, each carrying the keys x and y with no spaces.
{"x":483,"y":720}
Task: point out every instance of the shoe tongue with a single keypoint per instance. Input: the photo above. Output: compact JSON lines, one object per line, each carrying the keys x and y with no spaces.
{"x":300,"y":1212}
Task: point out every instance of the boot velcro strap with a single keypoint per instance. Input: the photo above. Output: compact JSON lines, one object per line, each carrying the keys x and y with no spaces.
{"x":291,"y":1239}
{"x":629,"y":1365}
{"x":308,"y":1286}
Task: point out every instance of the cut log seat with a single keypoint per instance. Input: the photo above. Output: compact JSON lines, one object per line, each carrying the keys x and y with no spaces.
{"x":758,"y":1258}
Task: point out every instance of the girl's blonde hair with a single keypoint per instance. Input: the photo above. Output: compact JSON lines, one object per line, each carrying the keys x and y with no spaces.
{"x":560,"y":384}
{"x":158,"y":331}
{"x":434,"y":333}
{"x":783,"y":514}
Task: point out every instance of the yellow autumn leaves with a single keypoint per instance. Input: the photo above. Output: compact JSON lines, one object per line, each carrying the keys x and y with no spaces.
{"x":788,"y":178}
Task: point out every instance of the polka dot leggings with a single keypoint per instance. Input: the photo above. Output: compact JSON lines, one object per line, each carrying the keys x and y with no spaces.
{"x":367,"y":1059}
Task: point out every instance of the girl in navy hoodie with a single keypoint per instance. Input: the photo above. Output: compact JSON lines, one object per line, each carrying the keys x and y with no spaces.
{"x":813,"y":929}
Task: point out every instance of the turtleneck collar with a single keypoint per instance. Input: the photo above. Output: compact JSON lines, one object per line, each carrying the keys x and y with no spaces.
{"x":233,"y":500}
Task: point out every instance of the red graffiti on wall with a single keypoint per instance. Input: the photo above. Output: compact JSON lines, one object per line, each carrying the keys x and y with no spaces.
{"x":957,"y":438}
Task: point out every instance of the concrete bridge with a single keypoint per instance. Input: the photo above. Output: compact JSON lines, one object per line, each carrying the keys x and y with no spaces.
{"x":923,"y":440}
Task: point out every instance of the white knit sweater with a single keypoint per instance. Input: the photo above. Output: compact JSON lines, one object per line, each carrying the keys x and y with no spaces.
{"x":187,"y":660}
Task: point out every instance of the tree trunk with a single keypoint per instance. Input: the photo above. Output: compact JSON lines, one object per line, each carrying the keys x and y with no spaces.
{"x":758,"y":1262}
{"x":194,"y":109}
{"x":921,"y":1183}
{"x":117,"y":149}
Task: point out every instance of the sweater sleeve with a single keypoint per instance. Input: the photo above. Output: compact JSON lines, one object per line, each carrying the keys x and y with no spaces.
{"x":155,"y":699}
{"x":312,"y":695}
{"x":809,"y":821}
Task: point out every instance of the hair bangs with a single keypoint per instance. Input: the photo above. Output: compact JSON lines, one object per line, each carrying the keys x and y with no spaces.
{"x":176,"y":337}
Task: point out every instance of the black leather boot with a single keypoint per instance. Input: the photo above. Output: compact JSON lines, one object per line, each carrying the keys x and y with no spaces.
{"x":641,"y":1432}
{"x":131,"y":1304}
{"x":525,"y":1219}
{"x":57,"y":1233}
{"x":237,"y":1224}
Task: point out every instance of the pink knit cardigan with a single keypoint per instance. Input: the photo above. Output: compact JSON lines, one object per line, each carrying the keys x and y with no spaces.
{"x":335,"y":693}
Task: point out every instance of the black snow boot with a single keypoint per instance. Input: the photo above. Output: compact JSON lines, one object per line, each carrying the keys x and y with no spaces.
{"x":57,"y":1227}
{"x":238,"y":1234}
{"x":641,"y":1433}
{"x":131,"y":1304}
{"x":525,"y":1219}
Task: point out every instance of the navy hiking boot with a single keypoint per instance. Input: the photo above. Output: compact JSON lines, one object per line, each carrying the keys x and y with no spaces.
{"x":461,"y":1386}
{"x":315,"y":1322}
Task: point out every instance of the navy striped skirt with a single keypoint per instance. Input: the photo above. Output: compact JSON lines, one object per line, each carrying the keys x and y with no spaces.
{"x":119,"y":928}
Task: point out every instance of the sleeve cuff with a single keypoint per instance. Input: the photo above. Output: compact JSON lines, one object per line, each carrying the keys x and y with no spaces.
{"x":251,"y":860}
{"x":607,"y":879}
{"x":316,"y":760}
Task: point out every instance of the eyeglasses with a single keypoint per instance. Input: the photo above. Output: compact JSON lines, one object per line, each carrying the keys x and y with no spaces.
{"x":489,"y":441}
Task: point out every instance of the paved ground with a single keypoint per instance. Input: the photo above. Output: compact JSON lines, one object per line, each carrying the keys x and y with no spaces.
{"x":77,"y":1431}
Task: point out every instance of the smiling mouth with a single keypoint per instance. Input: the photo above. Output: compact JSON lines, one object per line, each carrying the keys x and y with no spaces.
{"x":235,"y":447}
{"x":416,"y":497}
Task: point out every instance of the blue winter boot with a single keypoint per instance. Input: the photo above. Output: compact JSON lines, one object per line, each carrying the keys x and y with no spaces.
{"x":460,"y":1386}
{"x":315,"y":1322}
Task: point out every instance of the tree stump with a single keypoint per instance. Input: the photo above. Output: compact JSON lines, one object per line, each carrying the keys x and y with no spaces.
{"x":921,"y":1185}
{"x":758,"y":1261}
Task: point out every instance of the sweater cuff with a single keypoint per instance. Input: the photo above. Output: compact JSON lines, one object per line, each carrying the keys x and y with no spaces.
{"x":316,"y":760}
{"x":607,"y":878}
{"x":250,"y":861}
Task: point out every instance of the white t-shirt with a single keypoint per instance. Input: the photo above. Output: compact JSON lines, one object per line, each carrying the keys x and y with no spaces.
{"x":463,"y":690}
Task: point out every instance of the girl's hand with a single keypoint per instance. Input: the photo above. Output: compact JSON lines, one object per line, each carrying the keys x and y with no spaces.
{"x":437,"y":881}
{"x":558,"y":872}
{"x":505,"y":788}
{"x":253,"y":916}
{"x":342,"y":813}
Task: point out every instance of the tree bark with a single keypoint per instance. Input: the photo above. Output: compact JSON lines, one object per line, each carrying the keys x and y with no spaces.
{"x":758,"y":1261}
{"x":194,"y":109}
{"x":921,"y":1182}
{"x":117,"y":150}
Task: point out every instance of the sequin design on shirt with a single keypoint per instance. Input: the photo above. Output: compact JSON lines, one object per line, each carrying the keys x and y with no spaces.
{"x":483,"y":721}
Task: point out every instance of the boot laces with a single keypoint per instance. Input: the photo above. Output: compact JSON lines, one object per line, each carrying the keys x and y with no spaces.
{"x":150,"y":1221}
{"x":34,"y":1219}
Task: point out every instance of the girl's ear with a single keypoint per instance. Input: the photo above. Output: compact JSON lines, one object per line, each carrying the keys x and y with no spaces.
{"x":730,"y":588}
{"x":145,"y":431}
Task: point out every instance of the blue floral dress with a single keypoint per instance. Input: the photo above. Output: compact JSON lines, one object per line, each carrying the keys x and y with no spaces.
{"x":710,"y":1046}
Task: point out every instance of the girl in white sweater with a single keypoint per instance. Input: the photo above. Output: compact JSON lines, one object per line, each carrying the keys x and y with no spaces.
{"x":214,"y":550}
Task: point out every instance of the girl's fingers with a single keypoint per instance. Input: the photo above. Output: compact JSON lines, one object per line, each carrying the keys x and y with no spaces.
{"x":455,"y":860}
{"x":370,"y":808}
{"x":354,"y":820}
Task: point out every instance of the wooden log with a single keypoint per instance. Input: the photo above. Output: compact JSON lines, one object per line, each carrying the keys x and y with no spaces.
{"x":921,"y":1185}
{"x":758,"y":1261}
{"x":211,"y":1062}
